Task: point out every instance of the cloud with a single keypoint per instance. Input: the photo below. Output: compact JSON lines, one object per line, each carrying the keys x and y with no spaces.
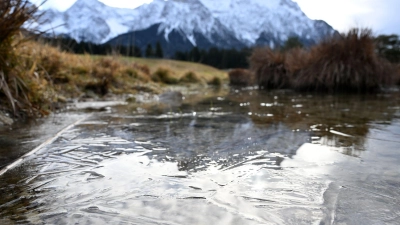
{"x":381,"y":16}
{"x":387,"y":16}
{"x":63,"y":5}
{"x":58,"y":4}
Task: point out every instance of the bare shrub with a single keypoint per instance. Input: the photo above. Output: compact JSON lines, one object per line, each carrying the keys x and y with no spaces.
{"x":344,"y":63}
{"x":190,"y":77}
{"x":215,"y":81}
{"x":270,"y":68}
{"x":145,"y":69}
{"x":164,"y":75}
{"x":241,"y":77}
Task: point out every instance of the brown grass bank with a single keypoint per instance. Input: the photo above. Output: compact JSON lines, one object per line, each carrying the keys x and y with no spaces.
{"x":48,"y":75}
{"x":345,"y":63}
{"x":45,"y":75}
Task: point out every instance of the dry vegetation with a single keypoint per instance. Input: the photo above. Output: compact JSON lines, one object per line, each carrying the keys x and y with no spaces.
{"x":13,"y":88}
{"x":180,"y":69}
{"x":241,"y":77}
{"x":49,"y":75}
{"x":190,"y":77}
{"x":397,"y":74}
{"x":345,"y":63}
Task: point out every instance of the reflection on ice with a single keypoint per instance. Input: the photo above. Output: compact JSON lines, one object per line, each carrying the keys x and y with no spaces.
{"x":313,"y":154}
{"x":211,"y":162}
{"x":149,"y":174}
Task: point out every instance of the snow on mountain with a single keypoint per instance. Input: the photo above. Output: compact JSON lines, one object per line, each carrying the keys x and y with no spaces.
{"x":250,"y":19}
{"x":89,"y":20}
{"x":203,"y":23}
{"x":188,"y":17}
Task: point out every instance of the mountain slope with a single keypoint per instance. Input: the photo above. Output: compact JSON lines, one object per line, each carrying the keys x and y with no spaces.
{"x":88,"y":20}
{"x":272,"y":20}
{"x":182,"y":24}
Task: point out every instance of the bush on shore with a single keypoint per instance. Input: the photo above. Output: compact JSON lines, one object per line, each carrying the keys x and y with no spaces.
{"x":165,"y":76}
{"x":190,"y":77}
{"x":241,"y":77}
{"x":270,"y":68}
{"x":345,"y":63}
{"x":215,"y":81}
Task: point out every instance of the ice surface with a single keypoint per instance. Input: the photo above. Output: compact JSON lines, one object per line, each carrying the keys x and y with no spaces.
{"x":176,"y":167}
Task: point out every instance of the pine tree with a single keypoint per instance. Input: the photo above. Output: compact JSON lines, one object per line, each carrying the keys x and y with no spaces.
{"x":195,"y":55}
{"x":159,"y":50}
{"x":292,"y":42}
{"x":149,"y":51}
{"x":137,"y":52}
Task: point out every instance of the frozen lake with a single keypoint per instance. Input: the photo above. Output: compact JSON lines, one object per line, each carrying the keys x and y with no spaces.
{"x":230,"y":157}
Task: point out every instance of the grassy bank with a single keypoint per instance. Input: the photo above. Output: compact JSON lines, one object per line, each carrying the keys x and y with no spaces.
{"x":44,"y":76}
{"x":344,"y":63}
{"x":181,"y":68}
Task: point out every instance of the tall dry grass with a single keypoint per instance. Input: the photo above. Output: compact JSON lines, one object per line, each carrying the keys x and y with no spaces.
{"x":345,"y":63}
{"x":46,"y":74}
{"x":13,"y":15}
{"x":73,"y":75}
{"x":190,"y":77}
{"x":397,"y":74}
{"x":270,"y":68}
{"x":241,"y":77}
{"x":164,"y":75}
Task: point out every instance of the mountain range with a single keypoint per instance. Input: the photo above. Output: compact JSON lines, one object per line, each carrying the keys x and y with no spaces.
{"x":180,"y":25}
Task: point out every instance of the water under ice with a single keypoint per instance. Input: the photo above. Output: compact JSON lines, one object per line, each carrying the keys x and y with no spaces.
{"x":189,"y":164}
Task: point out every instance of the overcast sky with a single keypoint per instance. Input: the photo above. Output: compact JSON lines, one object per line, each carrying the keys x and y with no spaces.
{"x":380,"y":15}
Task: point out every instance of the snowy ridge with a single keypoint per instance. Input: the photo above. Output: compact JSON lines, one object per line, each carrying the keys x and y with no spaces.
{"x":283,"y":18}
{"x":177,"y":15}
{"x":251,"y":22}
{"x":89,"y":20}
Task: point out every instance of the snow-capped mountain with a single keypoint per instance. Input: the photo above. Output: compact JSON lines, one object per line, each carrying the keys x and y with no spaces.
{"x":177,"y":25}
{"x":88,"y":20}
{"x":276,"y":20}
{"x":182,"y":24}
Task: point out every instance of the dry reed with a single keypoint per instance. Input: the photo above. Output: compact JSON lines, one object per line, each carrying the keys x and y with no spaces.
{"x":13,"y":88}
{"x":190,"y":77}
{"x":269,"y":68}
{"x":164,"y":75}
{"x":345,"y":63}
{"x":241,"y":77}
